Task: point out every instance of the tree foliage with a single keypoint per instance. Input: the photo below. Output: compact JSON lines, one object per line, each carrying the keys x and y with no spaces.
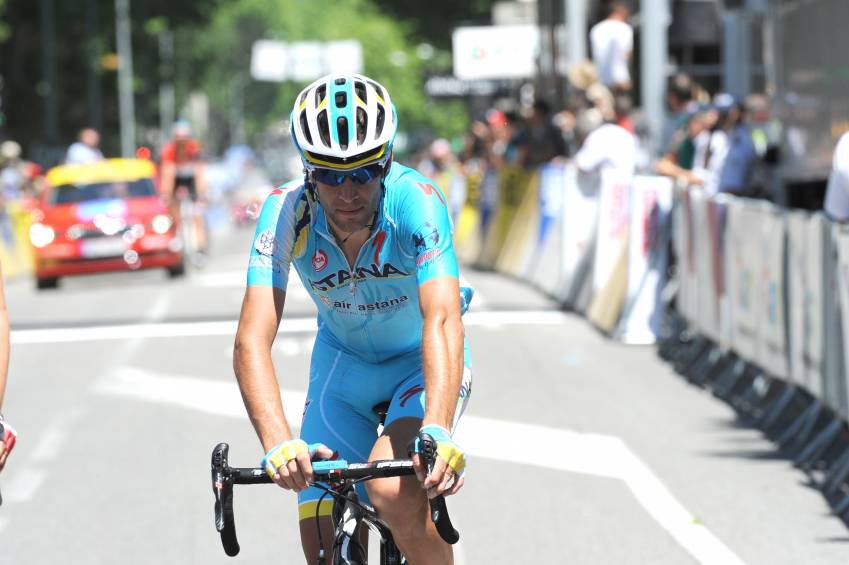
{"x":212,"y":49}
{"x":223,"y":50}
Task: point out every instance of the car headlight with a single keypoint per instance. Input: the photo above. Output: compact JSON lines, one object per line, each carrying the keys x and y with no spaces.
{"x":161,"y":223}
{"x":41,"y":235}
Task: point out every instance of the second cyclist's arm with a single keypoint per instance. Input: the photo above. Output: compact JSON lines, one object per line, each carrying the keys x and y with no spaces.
{"x":260,"y":317}
{"x":442,"y":348}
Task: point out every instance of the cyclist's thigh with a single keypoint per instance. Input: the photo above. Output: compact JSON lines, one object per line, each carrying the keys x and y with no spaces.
{"x":408,"y":400}
{"x":337,"y":413}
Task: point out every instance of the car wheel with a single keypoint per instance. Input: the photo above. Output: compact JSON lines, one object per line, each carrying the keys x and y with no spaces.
{"x":178,"y":270}
{"x":47,"y":283}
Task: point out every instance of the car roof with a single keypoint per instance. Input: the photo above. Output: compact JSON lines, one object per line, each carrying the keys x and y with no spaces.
{"x":106,"y":170}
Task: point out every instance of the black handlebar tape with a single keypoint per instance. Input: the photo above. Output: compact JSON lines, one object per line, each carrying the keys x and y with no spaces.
{"x":438,"y":508}
{"x":222,"y":488}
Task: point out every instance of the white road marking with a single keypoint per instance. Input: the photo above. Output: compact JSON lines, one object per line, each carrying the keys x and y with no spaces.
{"x":26,"y":482}
{"x":55,"y":438}
{"x":238,"y":279}
{"x":228,"y":327}
{"x":28,"y":478}
{"x":590,"y":454}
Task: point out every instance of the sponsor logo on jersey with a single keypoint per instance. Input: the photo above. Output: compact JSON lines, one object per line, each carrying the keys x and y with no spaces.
{"x":429,"y":189}
{"x":426,"y":240}
{"x":410,"y":393}
{"x":265,"y":243}
{"x":376,"y":306}
{"x":326,"y":300}
{"x":378,"y":242}
{"x":319,"y":260}
{"x":340,"y":277}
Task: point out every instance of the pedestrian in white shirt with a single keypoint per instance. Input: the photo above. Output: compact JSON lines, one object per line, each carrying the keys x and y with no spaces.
{"x":837,"y":192}
{"x":610,"y":146}
{"x":612,"y":42}
{"x":85,"y":150}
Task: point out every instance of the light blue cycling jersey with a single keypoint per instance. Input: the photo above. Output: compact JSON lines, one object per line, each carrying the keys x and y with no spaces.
{"x":371,"y":311}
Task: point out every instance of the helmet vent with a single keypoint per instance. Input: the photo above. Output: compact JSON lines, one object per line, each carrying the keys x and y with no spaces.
{"x":320,"y":93}
{"x":339,"y":81}
{"x":378,"y":89}
{"x":324,"y":127}
{"x":342,"y":130}
{"x":381,"y":118}
{"x":341,"y":99}
{"x":302,"y":98}
{"x":305,"y":127}
{"x":360,"y":89}
{"x":362,"y":125}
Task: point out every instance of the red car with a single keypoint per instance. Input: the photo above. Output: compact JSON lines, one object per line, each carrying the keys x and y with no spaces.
{"x":106,"y":216}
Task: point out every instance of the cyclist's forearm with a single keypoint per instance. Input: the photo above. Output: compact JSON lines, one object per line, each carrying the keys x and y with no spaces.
{"x":4,"y":340}
{"x":442,"y":354}
{"x":260,"y":393}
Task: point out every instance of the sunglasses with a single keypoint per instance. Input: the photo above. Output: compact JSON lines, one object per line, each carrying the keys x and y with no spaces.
{"x":361,"y":175}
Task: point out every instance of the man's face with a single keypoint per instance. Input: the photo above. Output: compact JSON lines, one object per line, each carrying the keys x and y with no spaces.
{"x":351,"y":205}
{"x":90,"y":137}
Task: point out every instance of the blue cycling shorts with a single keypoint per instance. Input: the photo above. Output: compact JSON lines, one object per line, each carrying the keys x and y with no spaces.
{"x":342,"y":393}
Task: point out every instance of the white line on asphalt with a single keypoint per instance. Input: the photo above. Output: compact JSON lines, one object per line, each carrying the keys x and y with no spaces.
{"x":228,"y":328}
{"x":26,"y":482}
{"x":54,"y":438}
{"x":591,"y":454}
{"x":238,"y":279}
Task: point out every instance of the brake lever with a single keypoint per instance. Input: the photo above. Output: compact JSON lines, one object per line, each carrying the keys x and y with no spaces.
{"x":438,"y":508}
{"x":222,"y":488}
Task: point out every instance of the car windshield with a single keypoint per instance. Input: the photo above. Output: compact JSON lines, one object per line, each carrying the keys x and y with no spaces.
{"x":73,"y":193}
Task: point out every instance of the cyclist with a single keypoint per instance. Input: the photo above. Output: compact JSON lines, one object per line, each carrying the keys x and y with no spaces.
{"x":7,"y":434}
{"x":181,"y":177}
{"x":371,"y":241}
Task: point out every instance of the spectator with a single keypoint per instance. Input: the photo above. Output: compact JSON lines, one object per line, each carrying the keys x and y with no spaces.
{"x":712,"y":145}
{"x":612,"y":42}
{"x":741,"y":156}
{"x":681,"y":106}
{"x":609,"y":146}
{"x":543,"y":140}
{"x":837,"y":191}
{"x":86,"y":149}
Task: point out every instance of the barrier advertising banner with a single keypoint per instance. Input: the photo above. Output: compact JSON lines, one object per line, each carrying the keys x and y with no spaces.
{"x":688,"y":299}
{"x":651,"y":204}
{"x":545,"y":265}
{"x":612,"y":226}
{"x":797,"y":288}
{"x":772,"y":346}
{"x":579,"y":220}
{"x":815,"y":304}
{"x":705,"y":248}
{"x":840,"y":388}
{"x":742,"y":262}
{"x":520,"y":241}
{"x":833,"y":371}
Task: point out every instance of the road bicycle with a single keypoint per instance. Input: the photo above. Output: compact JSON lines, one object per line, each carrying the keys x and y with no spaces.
{"x":337,"y":478}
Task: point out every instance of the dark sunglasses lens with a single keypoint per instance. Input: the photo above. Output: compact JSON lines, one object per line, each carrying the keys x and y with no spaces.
{"x":335,"y":178}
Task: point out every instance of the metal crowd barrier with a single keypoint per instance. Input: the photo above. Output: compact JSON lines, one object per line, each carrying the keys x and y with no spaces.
{"x":754,"y":312}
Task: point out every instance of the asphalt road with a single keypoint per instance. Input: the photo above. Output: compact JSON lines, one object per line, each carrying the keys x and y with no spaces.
{"x":581,"y":450}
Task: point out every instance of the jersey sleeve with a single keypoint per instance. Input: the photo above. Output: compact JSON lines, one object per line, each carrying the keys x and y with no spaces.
{"x":274,"y":241}
{"x":426,"y":230}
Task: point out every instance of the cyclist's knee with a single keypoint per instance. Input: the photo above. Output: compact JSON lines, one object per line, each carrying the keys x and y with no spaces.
{"x":397,"y":499}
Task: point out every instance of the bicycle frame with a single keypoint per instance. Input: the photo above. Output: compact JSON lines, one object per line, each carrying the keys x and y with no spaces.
{"x":341,"y":477}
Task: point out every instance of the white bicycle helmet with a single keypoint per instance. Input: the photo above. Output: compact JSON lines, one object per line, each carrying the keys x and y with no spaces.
{"x":343,"y":122}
